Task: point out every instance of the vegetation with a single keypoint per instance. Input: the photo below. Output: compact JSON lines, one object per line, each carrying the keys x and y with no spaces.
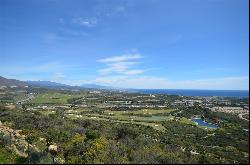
{"x":8,"y":157}
{"x":99,"y":134}
{"x":100,"y":141}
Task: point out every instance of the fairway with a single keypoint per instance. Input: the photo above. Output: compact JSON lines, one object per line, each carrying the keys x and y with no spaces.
{"x":133,"y":117}
{"x":51,"y":98}
{"x":156,"y":126}
{"x":139,"y":112}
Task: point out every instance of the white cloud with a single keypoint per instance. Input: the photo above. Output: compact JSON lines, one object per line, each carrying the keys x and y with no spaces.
{"x":134,"y":72}
{"x":87,"y":22}
{"x":121,"y":65}
{"x":118,"y":67}
{"x":121,"y":58}
{"x":120,"y":71}
{"x":150,"y":82}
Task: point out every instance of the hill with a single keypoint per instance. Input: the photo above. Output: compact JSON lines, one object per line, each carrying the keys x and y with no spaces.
{"x":12,"y":82}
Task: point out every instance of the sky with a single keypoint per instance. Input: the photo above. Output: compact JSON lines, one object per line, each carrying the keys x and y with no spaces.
{"x":156,"y":44}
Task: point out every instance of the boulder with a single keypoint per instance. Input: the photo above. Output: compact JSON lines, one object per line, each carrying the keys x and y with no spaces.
{"x":53,"y":148}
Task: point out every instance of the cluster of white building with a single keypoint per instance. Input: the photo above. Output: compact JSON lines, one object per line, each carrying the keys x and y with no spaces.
{"x":230,"y":109}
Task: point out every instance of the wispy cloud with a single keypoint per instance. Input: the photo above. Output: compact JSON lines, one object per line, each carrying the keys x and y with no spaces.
{"x":51,"y":37}
{"x":118,"y":10}
{"x":134,"y":72}
{"x":109,"y":10}
{"x":68,"y":30}
{"x":120,"y":71}
{"x":86,"y":22}
{"x":121,"y":64}
{"x":152,"y":82}
{"x":121,"y":58}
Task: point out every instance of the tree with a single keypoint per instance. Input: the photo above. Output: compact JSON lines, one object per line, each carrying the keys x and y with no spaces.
{"x":92,"y":134}
{"x":74,"y":148}
{"x":96,"y":152}
{"x":29,"y":140}
{"x":24,"y":107}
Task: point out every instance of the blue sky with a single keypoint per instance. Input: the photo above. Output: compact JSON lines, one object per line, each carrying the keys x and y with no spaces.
{"x":184,"y":44}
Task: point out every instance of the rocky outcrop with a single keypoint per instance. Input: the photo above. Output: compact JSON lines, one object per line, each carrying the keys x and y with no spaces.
{"x":53,"y":148}
{"x":13,"y":140}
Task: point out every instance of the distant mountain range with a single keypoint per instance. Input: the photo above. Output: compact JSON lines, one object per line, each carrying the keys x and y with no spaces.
{"x":55,"y":84}
{"x":46,"y":84}
{"x":184,"y":92}
{"x":12,"y":82}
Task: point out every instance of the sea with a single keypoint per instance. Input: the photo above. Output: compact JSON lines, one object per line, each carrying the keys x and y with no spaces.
{"x":195,"y":92}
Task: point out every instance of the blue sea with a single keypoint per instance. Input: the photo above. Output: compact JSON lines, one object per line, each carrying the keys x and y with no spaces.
{"x":193,"y":92}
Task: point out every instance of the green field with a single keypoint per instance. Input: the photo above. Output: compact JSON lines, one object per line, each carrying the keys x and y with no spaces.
{"x":51,"y":98}
{"x":156,"y":126}
{"x":139,"y":112}
{"x":146,"y":117}
{"x":133,"y":117}
{"x":187,"y":121}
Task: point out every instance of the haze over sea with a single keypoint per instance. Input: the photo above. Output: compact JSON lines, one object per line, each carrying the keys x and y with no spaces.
{"x":195,"y":92}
